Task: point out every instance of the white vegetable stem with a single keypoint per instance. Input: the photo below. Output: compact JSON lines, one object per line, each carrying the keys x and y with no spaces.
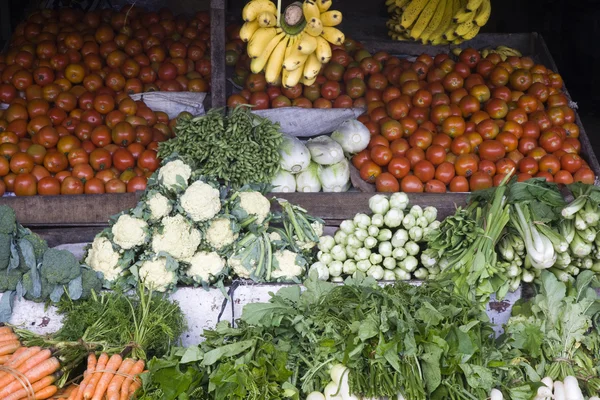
{"x":295,"y":157}
{"x":324,"y":150}
{"x":495,"y":394}
{"x":283,"y":182}
{"x":379,"y":204}
{"x":352,"y":135}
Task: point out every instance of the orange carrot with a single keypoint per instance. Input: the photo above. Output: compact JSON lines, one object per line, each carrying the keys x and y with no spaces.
{"x":20,"y":351}
{"x":18,"y":358}
{"x":91,"y":386}
{"x":8,"y":336}
{"x":135,"y":386}
{"x":39,"y":385}
{"x":39,"y":371}
{"x":5,"y":329}
{"x":9,"y":347}
{"x":111,"y":367}
{"x":87,"y":376}
{"x":45,"y":393}
{"x":137,"y":369}
{"x":32,"y":361}
{"x":117,"y":381}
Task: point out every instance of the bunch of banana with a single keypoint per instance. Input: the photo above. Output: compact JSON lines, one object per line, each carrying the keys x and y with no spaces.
{"x":437,"y":21}
{"x":291,"y":47}
{"x":503,"y":51}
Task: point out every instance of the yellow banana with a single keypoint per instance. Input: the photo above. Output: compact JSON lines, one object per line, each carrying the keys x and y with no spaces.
{"x":310,"y":10}
{"x":426,"y":19}
{"x":307,"y":44}
{"x":483,"y":14}
{"x":438,"y":41}
{"x":294,"y":60}
{"x":260,"y":40}
{"x":473,"y":5}
{"x":456,"y":51}
{"x":266,"y":19}
{"x":331,"y":18}
{"x":291,"y":78}
{"x":324,"y":5}
{"x":314,"y":27}
{"x":248,"y":29}
{"x":401,"y":3}
{"x":472,"y":32}
{"x":258,"y":64}
{"x":410,"y":14}
{"x":333,"y":35}
{"x":462,"y":29}
{"x":309,"y":82}
{"x":255,"y":7}
{"x":509,"y":51}
{"x":444,"y":24}
{"x":291,"y":46}
{"x":450,"y":33}
{"x":323,"y":51}
{"x":275,"y":63}
{"x":312,"y":66}
{"x":458,"y":40}
{"x":463,"y":16}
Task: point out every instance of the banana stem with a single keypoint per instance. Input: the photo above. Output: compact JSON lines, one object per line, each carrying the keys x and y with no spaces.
{"x":278,"y":13}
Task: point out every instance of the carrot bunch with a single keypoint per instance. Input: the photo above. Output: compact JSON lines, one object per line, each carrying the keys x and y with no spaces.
{"x":109,"y":378}
{"x":9,"y":343}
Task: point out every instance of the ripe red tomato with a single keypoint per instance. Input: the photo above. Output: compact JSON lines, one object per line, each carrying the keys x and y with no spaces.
{"x":381,"y":155}
{"x":424,"y":170}
{"x":491,"y":150}
{"x":411,"y":184}
{"x":399,"y":167}
{"x":459,"y":184}
{"x":528,"y":165}
{"x":386,"y":182}
{"x":480,"y":181}
{"x":370,"y":171}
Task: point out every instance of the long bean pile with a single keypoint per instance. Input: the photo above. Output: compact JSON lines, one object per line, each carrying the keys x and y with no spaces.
{"x":238,"y":148}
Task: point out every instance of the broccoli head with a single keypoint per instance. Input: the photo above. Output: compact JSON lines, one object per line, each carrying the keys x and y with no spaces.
{"x":5,"y":243}
{"x":39,"y":245}
{"x":90,"y":282}
{"x":8,"y":220}
{"x":9,"y":279}
{"x":59,"y":267}
{"x":47,"y":289}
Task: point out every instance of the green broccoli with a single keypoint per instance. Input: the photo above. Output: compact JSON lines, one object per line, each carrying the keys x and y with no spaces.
{"x":47,"y":289}
{"x":59,"y":267}
{"x":9,"y":279}
{"x":90,"y":282}
{"x":5,"y":243}
{"x":39,"y":245}
{"x":8,"y":220}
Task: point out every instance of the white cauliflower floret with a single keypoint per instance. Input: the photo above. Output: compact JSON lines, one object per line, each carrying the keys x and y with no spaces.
{"x":168,"y":173}
{"x":155,"y":275}
{"x":238,"y":268}
{"x":201,"y":201}
{"x":220,"y":234}
{"x":178,"y":238}
{"x":254,"y":203}
{"x":103,"y":258}
{"x":129,"y":232}
{"x":318,"y":228}
{"x":288,"y":268}
{"x":274,"y":236}
{"x":204,"y":266}
{"x":159,"y":206}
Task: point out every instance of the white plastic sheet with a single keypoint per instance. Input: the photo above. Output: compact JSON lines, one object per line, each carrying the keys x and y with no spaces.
{"x":173,"y":103}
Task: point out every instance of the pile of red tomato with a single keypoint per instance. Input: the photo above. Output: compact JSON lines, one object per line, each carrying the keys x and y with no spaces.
{"x":68,"y":125}
{"x":439,"y":123}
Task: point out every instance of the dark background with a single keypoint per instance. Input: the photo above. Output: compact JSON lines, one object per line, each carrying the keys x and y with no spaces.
{"x":571,"y":29}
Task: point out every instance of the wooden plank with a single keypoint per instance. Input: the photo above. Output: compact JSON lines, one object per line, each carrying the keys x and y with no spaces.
{"x":67,"y":234}
{"x":217,"y":53}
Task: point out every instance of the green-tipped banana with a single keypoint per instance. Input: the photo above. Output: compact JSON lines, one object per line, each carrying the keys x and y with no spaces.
{"x":275,"y":62}
{"x":436,"y":20}
{"x":248,"y":29}
{"x":323,"y":51}
{"x":331,"y":18}
{"x":314,"y":27}
{"x":312,"y":66}
{"x":307,"y":44}
{"x":258,"y":64}
{"x":411,"y":13}
{"x":483,"y":14}
{"x":333,"y":35}
{"x":255,"y":7}
{"x":260,"y":40}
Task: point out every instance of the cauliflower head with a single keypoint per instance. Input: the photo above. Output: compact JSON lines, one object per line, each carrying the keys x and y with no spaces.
{"x":168,"y":173}
{"x":155,"y":275}
{"x":129,"y":232}
{"x":220,"y":234}
{"x":178,"y":238}
{"x":275,"y":237}
{"x":287,"y":265}
{"x":103,"y":258}
{"x":204,"y":266}
{"x":318,"y":228}
{"x":201,"y":201}
{"x":159,"y":206}
{"x":254,"y":203}
{"x":238,"y":268}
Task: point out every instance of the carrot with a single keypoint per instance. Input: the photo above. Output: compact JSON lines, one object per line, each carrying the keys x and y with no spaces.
{"x":94,"y":378}
{"x":138,"y":367}
{"x":8,"y":336}
{"x":39,"y":385}
{"x":5,"y":329}
{"x":87,"y":375}
{"x":135,"y":385}
{"x":35,"y":359}
{"x":45,"y":393}
{"x":20,"y":351}
{"x":19,"y":357}
{"x":111,"y":367}
{"x":39,"y":371}
{"x":9,"y":347}
{"x":117,"y":381}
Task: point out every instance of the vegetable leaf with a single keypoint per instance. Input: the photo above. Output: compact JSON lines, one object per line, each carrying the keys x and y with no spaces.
{"x":478,"y":376}
{"x":229,"y":350}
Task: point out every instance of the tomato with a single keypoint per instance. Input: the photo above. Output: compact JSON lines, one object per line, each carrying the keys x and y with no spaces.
{"x":466,"y":164}
{"x":563,"y":177}
{"x":411,"y":184}
{"x":523,"y":176}
{"x":360,"y":158}
{"x":100,"y":159}
{"x":386,"y":182}
{"x":24,"y":185}
{"x":550,"y":141}
{"x":137,"y":183}
{"x":369,"y":171}
{"x":381,"y":155}
{"x":549,"y":163}
{"x":492,"y":150}
{"x":436,"y":154}
{"x":260,"y":100}
{"x":399,"y":167}
{"x":459,"y":184}
{"x":445,"y":172}
{"x":421,"y":138}
{"x":528,"y":165}
{"x":378,"y":140}
{"x":71,"y":185}
{"x":414,"y":155}
{"x":330,"y":90}
{"x":122,"y":159}
{"x":148,"y":160}
{"x":480,"y":180}
{"x":585,"y":175}
{"x":461,"y":145}
{"x":48,"y":186}
{"x":488,"y":167}
{"x":569,"y":162}
{"x":391,"y":129}
{"x":399,"y":147}
{"x":435,"y":186}
{"x":94,"y":186}
{"x":424,"y":170}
